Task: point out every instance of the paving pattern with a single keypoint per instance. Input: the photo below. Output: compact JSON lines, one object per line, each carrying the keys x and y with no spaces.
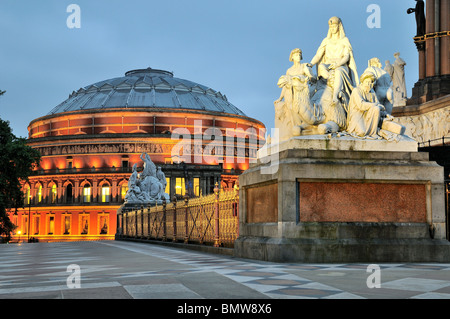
{"x":127,"y":270}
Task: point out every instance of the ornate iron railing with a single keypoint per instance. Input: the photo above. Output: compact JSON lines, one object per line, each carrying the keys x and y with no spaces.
{"x":443,"y":141}
{"x":207,"y":220}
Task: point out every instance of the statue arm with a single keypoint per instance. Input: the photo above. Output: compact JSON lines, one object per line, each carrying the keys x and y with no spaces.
{"x":345,"y":59}
{"x":307,"y":71}
{"x":283,"y":90}
{"x":317,"y":58}
{"x":364,"y":105}
{"x":320,"y":53}
{"x":360,"y":103}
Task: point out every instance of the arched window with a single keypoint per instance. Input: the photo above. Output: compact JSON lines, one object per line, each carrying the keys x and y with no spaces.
{"x":123,"y":192}
{"x":54,"y":194}
{"x":196,"y":187}
{"x":87,"y":193}
{"x":123,"y":188}
{"x":180,"y":187}
{"x":39,"y":194}
{"x":69,"y":193}
{"x":27,"y":193}
{"x":106,"y":193}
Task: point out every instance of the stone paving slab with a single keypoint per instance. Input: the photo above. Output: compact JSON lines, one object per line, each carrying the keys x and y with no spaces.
{"x":130,"y":270}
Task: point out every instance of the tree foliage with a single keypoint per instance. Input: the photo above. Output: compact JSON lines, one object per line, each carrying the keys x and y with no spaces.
{"x":17,"y":161}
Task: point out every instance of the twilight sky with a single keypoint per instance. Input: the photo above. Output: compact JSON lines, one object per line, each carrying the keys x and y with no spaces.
{"x":237,"y":47}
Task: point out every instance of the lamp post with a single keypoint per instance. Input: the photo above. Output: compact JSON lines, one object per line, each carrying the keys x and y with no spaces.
{"x":19,"y":232}
{"x":29,"y":217}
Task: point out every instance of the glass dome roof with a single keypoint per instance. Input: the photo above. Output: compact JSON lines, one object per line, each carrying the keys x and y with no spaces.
{"x":147,"y":88}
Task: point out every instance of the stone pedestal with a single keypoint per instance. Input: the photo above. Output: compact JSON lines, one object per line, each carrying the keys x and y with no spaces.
{"x":315,"y":199}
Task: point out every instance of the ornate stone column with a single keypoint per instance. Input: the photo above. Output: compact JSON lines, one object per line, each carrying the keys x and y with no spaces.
{"x":115,"y":194}
{"x":45,"y":192}
{"x":77,"y":191}
{"x":60,"y":191}
{"x":95,"y":191}
{"x":445,"y":41}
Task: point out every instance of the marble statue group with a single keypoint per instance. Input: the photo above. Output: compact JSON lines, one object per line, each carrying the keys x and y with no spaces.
{"x":148,"y":186}
{"x":337,"y":100}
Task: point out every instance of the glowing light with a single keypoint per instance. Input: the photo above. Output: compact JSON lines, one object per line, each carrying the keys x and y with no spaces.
{"x":105,"y":194}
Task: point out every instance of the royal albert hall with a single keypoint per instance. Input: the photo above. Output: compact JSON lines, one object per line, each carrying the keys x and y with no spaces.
{"x":90,"y":142}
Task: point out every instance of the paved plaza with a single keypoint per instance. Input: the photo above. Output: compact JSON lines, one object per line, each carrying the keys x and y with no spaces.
{"x":131,"y":270}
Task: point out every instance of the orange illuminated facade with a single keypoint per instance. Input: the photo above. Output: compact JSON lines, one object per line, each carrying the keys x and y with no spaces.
{"x":90,"y":142}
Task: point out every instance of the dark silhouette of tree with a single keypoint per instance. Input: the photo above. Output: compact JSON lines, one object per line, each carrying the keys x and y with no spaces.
{"x":17,"y":161}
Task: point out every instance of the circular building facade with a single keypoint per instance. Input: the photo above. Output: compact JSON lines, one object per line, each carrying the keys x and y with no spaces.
{"x":90,"y":142}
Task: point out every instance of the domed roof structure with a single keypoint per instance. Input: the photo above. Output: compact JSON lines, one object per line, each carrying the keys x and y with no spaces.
{"x":147,"y":88}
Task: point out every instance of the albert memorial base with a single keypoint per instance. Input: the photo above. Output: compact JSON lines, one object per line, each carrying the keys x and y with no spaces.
{"x":342,"y":200}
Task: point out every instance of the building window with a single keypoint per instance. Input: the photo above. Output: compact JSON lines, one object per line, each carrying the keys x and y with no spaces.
{"x":84,"y":224}
{"x":51,"y":225}
{"x":106,"y":197}
{"x":27,"y":196}
{"x":196,"y":187}
{"x":87,"y":194}
{"x":39,"y":194}
{"x":69,"y":194}
{"x":66,"y":225}
{"x":69,"y":163}
{"x":168,"y":185}
{"x":103,"y":224}
{"x":123,"y":192}
{"x":54,"y":194}
{"x":180,"y":188}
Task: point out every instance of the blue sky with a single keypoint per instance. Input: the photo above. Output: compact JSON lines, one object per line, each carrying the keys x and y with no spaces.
{"x":237,"y":47}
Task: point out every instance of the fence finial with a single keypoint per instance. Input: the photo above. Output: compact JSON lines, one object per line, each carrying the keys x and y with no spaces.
{"x":216,"y":188}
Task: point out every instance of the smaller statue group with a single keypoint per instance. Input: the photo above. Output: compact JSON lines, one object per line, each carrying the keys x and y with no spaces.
{"x":147,"y":187}
{"x":337,"y":100}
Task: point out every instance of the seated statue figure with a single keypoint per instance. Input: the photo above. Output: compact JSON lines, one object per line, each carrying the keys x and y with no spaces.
{"x":149,"y":182}
{"x":364,"y":110}
{"x":293,"y":109}
{"x":134,"y":193}
{"x":335,"y":61}
{"x":149,"y":166}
